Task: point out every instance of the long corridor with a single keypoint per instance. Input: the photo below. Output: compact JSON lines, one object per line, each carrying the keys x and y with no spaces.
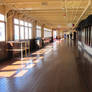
{"x":59,"y":67}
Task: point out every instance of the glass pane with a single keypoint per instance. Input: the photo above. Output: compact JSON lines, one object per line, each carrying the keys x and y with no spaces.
{"x":54,"y":34}
{"x":1,"y":17}
{"x":26,"y":33}
{"x":26,"y":24}
{"x":21,"y":32}
{"x":38,"y":33}
{"x":45,"y":29}
{"x":30,"y":25}
{"x":38,"y":27}
{"x":2,"y":31}
{"x":30,"y":33}
{"x":16,"y":21}
{"x":16,"y":31}
{"x":21,"y":22}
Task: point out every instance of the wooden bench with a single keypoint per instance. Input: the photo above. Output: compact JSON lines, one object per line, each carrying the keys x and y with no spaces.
{"x":19,"y":46}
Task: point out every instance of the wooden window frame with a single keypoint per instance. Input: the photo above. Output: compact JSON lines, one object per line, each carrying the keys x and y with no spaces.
{"x":19,"y":29}
{"x":5,"y":28}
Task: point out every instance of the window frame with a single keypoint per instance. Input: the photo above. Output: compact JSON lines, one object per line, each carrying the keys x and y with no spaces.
{"x":1,"y":21}
{"x":25,"y":26}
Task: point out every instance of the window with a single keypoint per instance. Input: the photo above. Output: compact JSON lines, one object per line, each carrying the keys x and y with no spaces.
{"x":38,"y":31}
{"x":47,"y":32}
{"x":2,"y":27}
{"x":16,"y":32}
{"x":2,"y":31}
{"x":30,"y":30}
{"x":16,"y":29}
{"x":21,"y":32}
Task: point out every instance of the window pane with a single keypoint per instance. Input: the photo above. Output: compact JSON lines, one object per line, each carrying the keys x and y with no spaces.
{"x":38,"y":33}
{"x":30,"y":25}
{"x":26,"y":33}
{"x":21,"y":32}
{"x":16,"y":21}
{"x":16,"y":31}
{"x":21,"y":22}
{"x":1,"y":17}
{"x":2,"y":31}
{"x":26,"y":24}
{"x":45,"y":33}
{"x":30,"y":33}
{"x":38,"y":27}
{"x":54,"y":34}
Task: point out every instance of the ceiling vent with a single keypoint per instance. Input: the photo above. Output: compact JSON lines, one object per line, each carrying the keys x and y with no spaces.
{"x":44,"y":3}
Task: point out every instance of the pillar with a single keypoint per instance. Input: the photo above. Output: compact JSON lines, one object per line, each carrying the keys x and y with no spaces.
{"x":34,"y":29}
{"x":9,"y":27}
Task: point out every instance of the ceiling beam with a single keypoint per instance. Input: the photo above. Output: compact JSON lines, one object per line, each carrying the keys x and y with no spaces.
{"x":87,"y":7}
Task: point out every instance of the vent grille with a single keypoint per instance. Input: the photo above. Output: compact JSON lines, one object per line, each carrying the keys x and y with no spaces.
{"x":44,"y":3}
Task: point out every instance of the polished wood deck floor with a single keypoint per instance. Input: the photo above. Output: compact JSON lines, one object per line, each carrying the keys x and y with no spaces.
{"x":59,"y":67}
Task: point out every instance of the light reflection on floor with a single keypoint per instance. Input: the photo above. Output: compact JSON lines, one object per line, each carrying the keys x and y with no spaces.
{"x":30,"y":66}
{"x":20,"y":68}
{"x":23,"y":62}
{"x":21,"y":73}
{"x":13,"y":67}
{"x":7,"y":73}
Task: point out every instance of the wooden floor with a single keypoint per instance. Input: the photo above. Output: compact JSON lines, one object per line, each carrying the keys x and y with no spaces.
{"x":59,"y":67}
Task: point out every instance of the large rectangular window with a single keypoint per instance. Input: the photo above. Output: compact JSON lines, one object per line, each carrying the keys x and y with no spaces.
{"x":38,"y":31}
{"x":2,"y":27}
{"x":22,"y":30}
{"x":47,"y":32}
{"x":2,"y":31}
